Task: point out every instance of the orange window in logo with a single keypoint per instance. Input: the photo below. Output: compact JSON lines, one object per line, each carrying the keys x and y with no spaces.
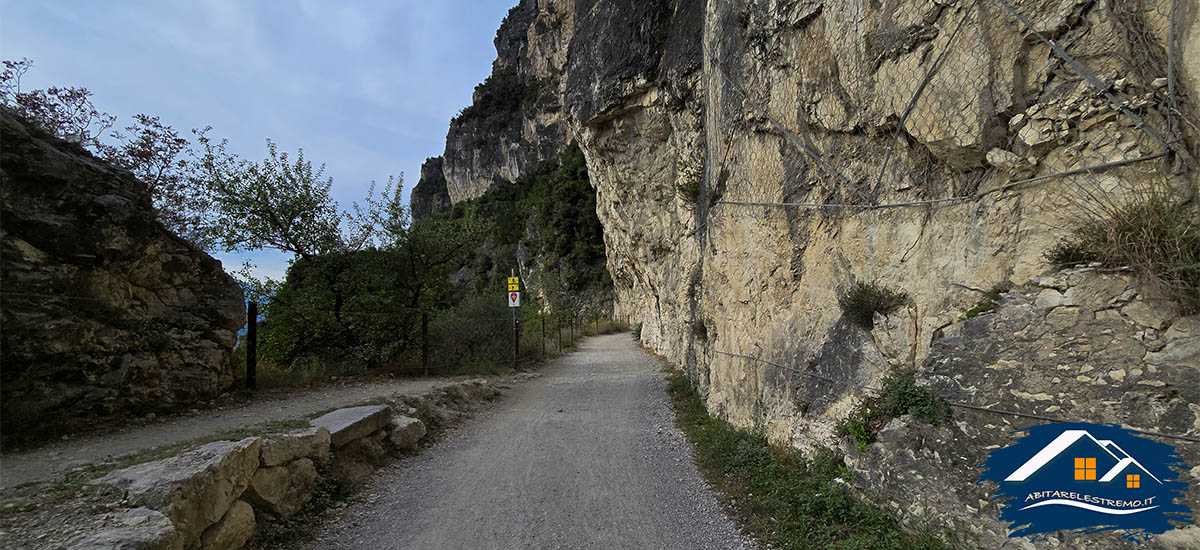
{"x":1133,"y":481}
{"x":1085,"y":469}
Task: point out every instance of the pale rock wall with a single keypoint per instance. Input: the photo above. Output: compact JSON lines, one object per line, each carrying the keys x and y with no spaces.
{"x":670,"y":97}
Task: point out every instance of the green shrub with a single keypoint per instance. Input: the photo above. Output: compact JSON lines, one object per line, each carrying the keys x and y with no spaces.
{"x":688,"y":189}
{"x":900,"y":395}
{"x":1067,"y":253}
{"x":863,"y":300}
{"x":856,"y":427}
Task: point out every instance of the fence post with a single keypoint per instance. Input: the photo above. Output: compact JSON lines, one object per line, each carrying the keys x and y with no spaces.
{"x":425,"y":341}
{"x":572,"y":331}
{"x":516,"y":342}
{"x":558,"y":321}
{"x":251,"y":345}
{"x":543,"y":336}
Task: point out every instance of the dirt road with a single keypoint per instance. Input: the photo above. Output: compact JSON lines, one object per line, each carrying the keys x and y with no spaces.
{"x":61,"y":456}
{"x":587,"y":456}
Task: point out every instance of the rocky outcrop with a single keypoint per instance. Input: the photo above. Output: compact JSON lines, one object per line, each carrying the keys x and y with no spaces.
{"x":1080,"y":344}
{"x":105,"y":312}
{"x":195,"y":489}
{"x":429,"y":195}
{"x":516,"y":121}
{"x":218,"y":495}
{"x":208,"y":496}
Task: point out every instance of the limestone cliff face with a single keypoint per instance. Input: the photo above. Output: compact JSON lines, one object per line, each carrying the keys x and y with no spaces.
{"x":104,"y":311}
{"x":683,"y":109}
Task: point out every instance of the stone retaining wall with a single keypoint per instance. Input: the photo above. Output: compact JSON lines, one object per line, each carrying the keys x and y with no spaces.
{"x":213,"y":496}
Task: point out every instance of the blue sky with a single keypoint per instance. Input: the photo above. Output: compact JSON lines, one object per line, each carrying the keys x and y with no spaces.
{"x":366,"y":87}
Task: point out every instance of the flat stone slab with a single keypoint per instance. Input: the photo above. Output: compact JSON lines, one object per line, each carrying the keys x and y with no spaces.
{"x":346,"y":425}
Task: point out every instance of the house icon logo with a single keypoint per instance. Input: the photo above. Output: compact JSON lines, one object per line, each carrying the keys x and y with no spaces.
{"x":1087,"y":478}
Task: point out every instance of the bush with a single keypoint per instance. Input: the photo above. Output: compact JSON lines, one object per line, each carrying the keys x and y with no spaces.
{"x":637,"y":332}
{"x":902,"y":395}
{"x":1069,"y":254}
{"x":689,"y":189}
{"x":474,"y":336}
{"x":863,"y":300}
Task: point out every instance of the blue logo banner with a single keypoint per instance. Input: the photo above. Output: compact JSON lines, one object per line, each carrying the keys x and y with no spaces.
{"x":1087,"y":478}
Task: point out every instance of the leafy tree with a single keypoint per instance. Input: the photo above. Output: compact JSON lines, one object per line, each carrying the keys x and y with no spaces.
{"x":283,"y":203}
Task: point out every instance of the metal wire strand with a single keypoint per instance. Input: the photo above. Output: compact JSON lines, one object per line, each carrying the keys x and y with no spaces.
{"x":992,"y":410}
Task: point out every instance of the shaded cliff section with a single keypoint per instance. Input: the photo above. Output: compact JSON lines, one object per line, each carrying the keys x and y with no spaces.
{"x":429,"y":195}
{"x":105,"y":312}
{"x":561,"y":68}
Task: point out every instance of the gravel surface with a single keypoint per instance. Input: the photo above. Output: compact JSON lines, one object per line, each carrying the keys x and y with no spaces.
{"x":62,"y":456}
{"x":588,"y":456}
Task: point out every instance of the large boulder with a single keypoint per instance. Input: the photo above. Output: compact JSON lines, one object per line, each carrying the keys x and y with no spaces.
{"x":283,"y":490}
{"x":405,"y":432}
{"x":194,"y":489}
{"x":233,"y":530}
{"x":105,"y":311}
{"x":346,"y":425}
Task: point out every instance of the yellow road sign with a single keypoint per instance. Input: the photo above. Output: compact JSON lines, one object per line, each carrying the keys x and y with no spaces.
{"x":512,"y":286}
{"x":514,"y":280}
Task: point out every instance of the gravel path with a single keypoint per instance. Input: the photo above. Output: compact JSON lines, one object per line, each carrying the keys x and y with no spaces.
{"x":588,"y":456}
{"x":62,"y":456}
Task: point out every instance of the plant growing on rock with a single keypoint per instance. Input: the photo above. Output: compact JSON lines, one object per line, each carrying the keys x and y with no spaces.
{"x":863,"y":300}
{"x":1150,"y":228}
{"x":899,"y":396}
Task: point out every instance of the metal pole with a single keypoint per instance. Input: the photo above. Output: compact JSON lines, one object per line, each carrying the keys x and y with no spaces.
{"x":251,"y":345}
{"x":572,"y":331}
{"x":516,"y":342}
{"x":543,"y":336}
{"x":425,"y":342}
{"x":558,"y":321}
